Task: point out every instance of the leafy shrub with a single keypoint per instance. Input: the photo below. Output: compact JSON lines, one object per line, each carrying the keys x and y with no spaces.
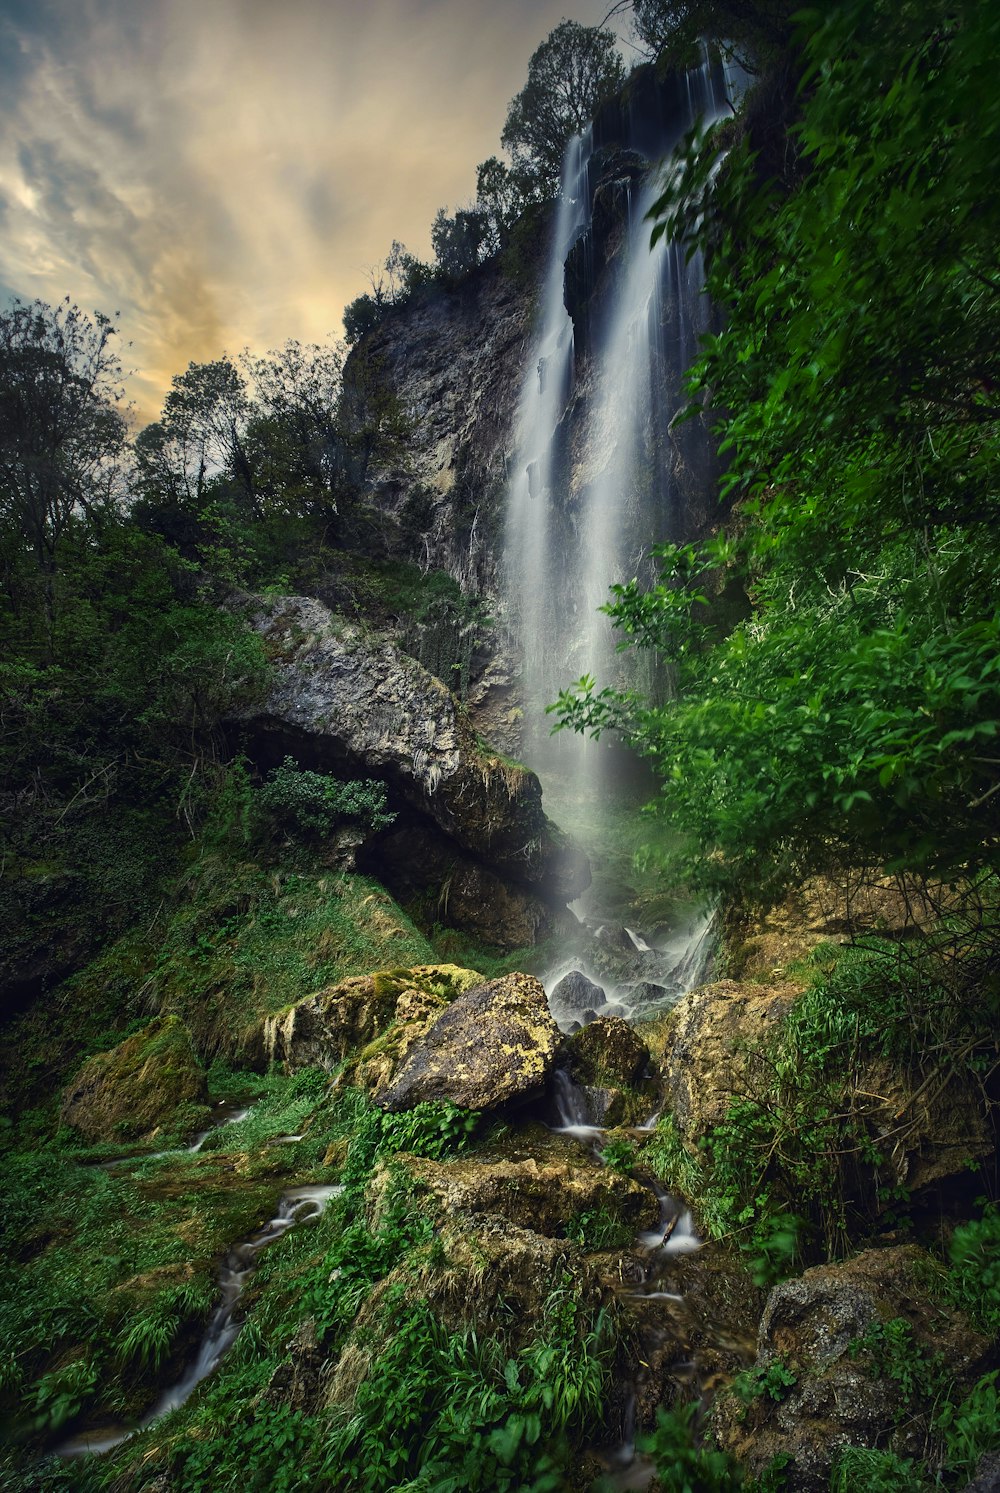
{"x":683,"y":1465}
{"x":974,"y":1255}
{"x":313,"y":803}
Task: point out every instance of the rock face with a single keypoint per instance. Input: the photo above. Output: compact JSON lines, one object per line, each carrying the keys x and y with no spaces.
{"x":454,"y":361}
{"x":416,"y":862}
{"x":149,"y":1081}
{"x":829,"y":1330}
{"x":350,"y":701}
{"x":706,"y":1063}
{"x":493,"y":1045}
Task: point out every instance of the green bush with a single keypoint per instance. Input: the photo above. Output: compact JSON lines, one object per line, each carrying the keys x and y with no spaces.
{"x":313,"y":803}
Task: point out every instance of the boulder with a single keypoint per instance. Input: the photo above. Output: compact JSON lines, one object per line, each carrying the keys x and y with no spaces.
{"x":493,"y":1045}
{"x":323,"y":1029}
{"x":575,"y":992}
{"x":607,"y":1051}
{"x":828,"y":1329}
{"x":650,"y":996}
{"x":351,"y":700}
{"x":151,"y":1081}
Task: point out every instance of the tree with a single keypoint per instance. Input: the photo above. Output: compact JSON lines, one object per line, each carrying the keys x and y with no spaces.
{"x":675,"y":29}
{"x":502,"y":194}
{"x":294,"y":434}
{"x":461,"y":242}
{"x":573,"y":70}
{"x":62,"y":432}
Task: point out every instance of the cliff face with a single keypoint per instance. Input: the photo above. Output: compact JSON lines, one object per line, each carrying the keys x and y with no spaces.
{"x":453,"y":360}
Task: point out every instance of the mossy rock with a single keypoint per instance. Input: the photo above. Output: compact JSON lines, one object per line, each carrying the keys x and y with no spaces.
{"x":151,"y":1082}
{"x":607,"y":1053}
{"x":494,"y":1045}
{"x":348,"y":1018}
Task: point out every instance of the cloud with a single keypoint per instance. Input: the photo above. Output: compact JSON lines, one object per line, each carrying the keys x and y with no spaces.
{"x":224,"y":172}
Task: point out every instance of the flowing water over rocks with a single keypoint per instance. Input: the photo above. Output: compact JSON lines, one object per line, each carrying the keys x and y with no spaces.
{"x":295,"y":1206}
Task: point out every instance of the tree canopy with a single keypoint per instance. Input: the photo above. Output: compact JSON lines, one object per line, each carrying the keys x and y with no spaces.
{"x":573,"y":70}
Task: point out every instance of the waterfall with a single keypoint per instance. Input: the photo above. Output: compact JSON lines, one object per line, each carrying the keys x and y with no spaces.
{"x":599,"y":475}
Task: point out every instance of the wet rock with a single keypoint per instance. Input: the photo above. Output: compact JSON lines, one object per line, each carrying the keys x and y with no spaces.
{"x":321,"y":1030}
{"x":350,"y":700}
{"x":575,"y":992}
{"x":616,"y":936}
{"x":613,"y":1009}
{"x":609,"y":1107}
{"x":545,"y":1196}
{"x":149,"y":1082}
{"x":414,"y":861}
{"x":607,"y":1051}
{"x":647,"y":993}
{"x":825,"y":1327}
{"x":494,"y":1044}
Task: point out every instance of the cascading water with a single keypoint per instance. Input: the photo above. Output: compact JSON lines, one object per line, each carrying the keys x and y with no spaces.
{"x":597,"y":479}
{"x":601,"y":471}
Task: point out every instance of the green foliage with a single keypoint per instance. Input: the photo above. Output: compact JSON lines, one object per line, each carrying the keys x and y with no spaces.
{"x":684,"y":1465}
{"x":974,"y":1275}
{"x":775,"y":1381}
{"x":432,"y":1128}
{"x":850,"y":719}
{"x":573,"y":70}
{"x":895,"y":1353}
{"x":442,"y":1412}
{"x":246,"y":939}
{"x":971,"y":1428}
{"x":598,"y":1229}
{"x":314,"y":803}
{"x":876,"y":1471}
{"x":619,"y":1155}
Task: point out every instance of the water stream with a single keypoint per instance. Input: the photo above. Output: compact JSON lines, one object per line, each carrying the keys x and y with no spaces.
{"x":294,"y":1207}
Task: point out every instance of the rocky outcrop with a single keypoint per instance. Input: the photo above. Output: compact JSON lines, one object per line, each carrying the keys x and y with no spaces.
{"x":349,"y":701}
{"x":545,"y":1195}
{"x":492,"y":1046}
{"x":709,"y":1058}
{"x":150,"y":1082}
{"x":453,"y":362}
{"x":831,"y":1335}
{"x":926,"y":1128}
{"x":325,"y":1028}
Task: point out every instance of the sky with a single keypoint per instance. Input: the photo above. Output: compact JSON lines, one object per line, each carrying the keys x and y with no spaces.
{"x":224,"y":172}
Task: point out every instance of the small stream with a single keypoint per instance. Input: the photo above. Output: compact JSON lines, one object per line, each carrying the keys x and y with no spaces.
{"x":295,"y":1206}
{"x":673,"y":1235}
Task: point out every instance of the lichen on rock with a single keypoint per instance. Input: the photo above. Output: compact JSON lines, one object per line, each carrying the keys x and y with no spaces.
{"x":493,"y":1045}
